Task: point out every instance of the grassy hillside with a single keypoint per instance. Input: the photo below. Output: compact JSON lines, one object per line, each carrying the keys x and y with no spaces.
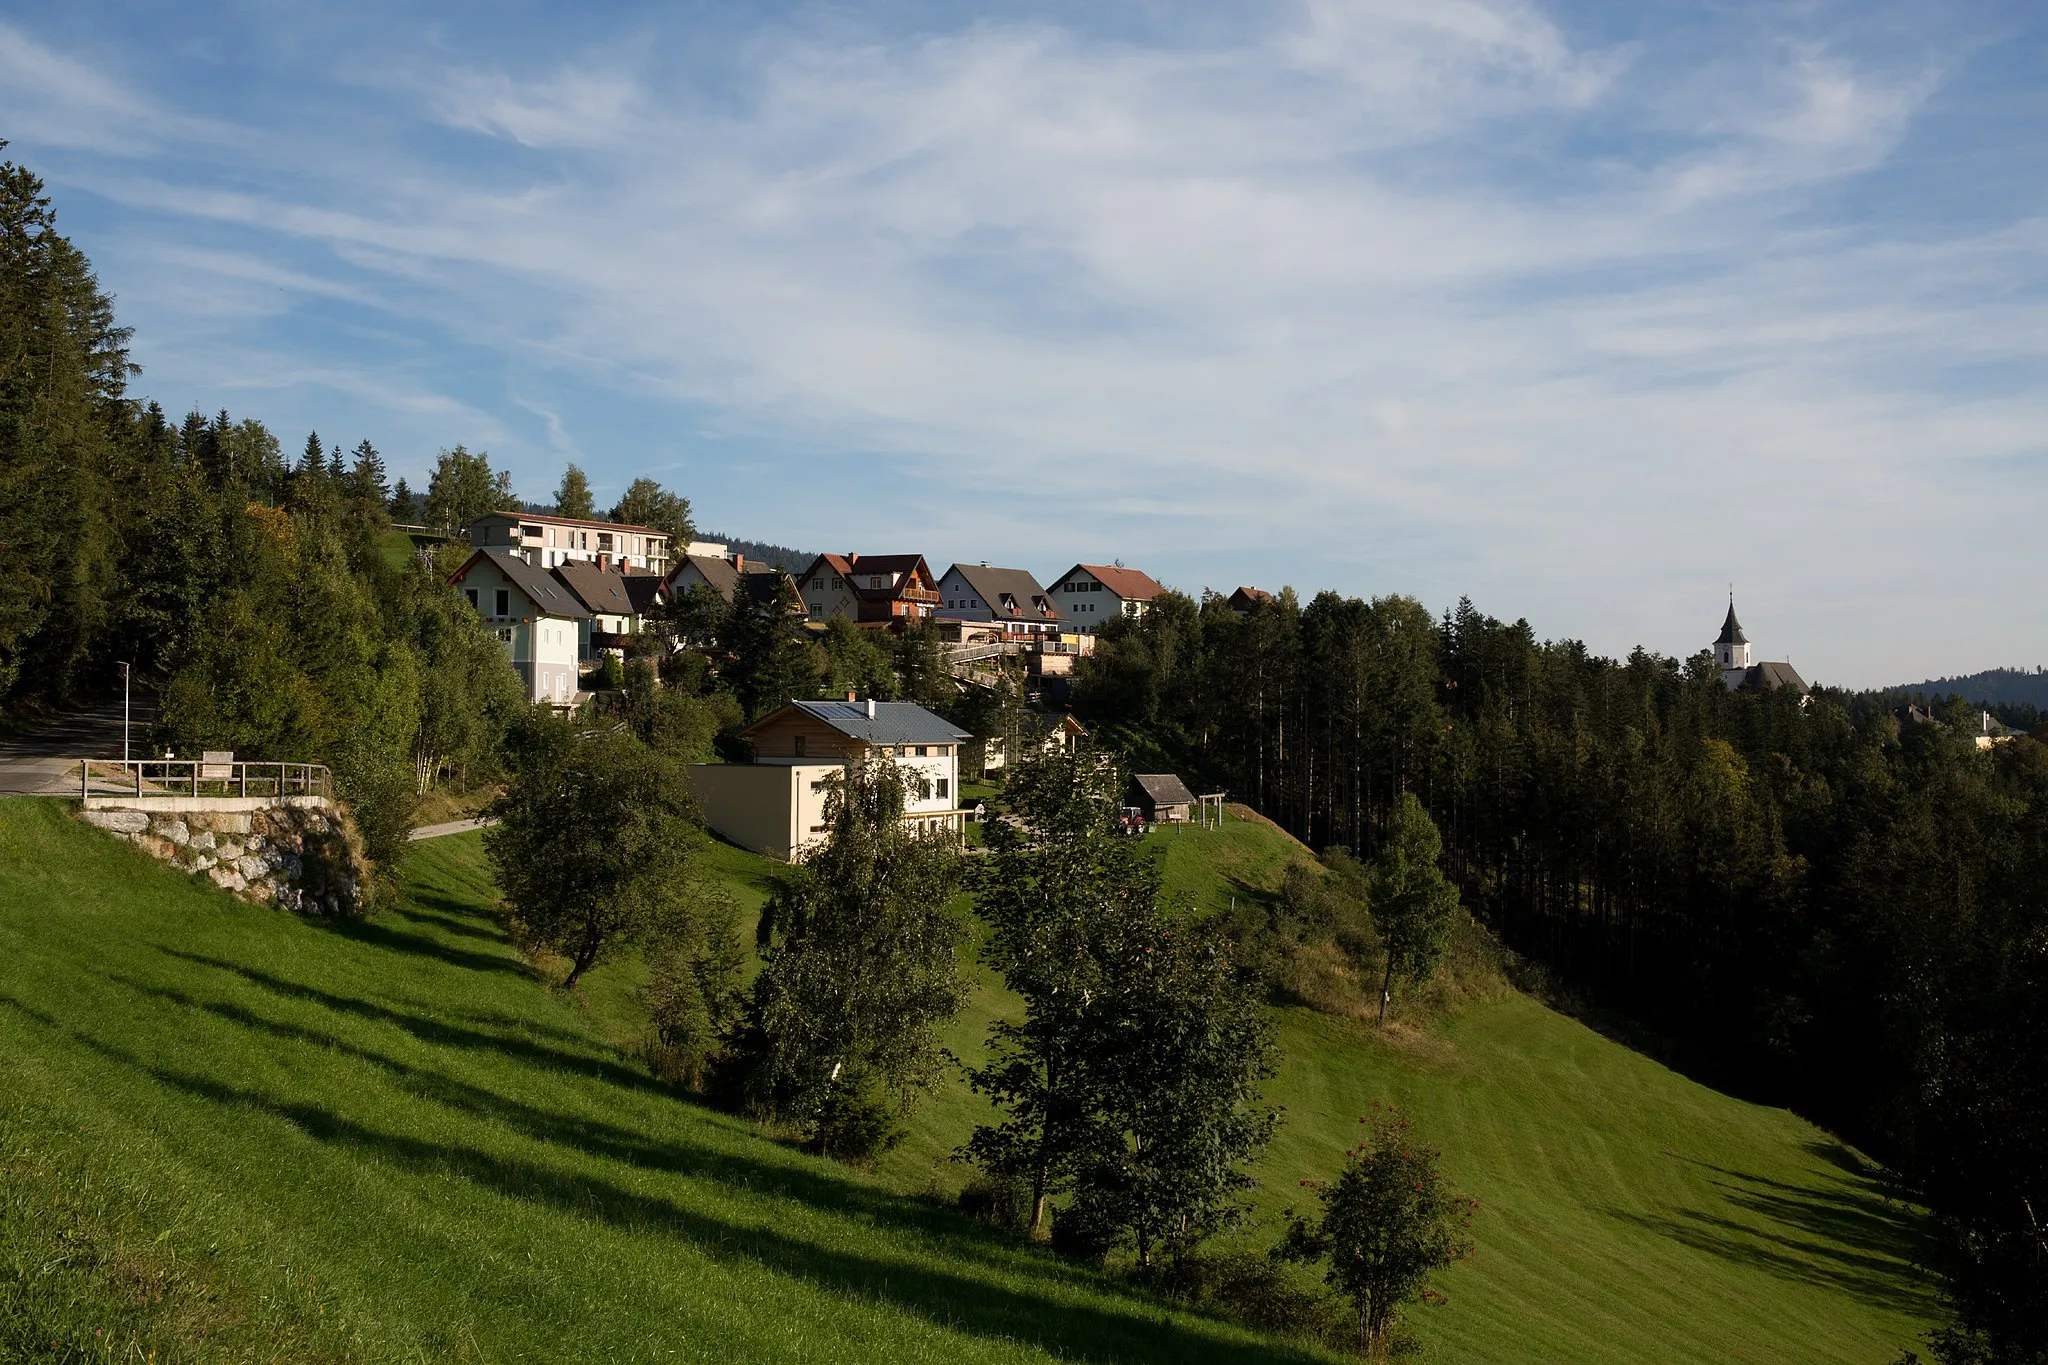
{"x":391,"y":1142}
{"x":226,"y":1133}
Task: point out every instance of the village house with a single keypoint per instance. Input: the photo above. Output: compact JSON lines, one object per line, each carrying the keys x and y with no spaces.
{"x":1244,"y":600}
{"x":617,"y":602}
{"x":1010,"y":598}
{"x":1047,"y":732}
{"x":545,"y":541}
{"x":776,"y":803}
{"x":1089,"y":594}
{"x":539,"y":621}
{"x":694,"y":570}
{"x":891,"y":590}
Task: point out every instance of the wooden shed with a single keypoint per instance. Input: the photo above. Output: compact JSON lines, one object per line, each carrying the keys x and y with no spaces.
{"x":1161,"y":797}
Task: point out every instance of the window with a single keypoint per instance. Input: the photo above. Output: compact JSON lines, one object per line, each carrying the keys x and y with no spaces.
{"x":470,"y":593}
{"x":941,"y":785}
{"x":920,"y":751}
{"x":875,"y":581}
{"x":503,"y":603}
{"x":796,"y":746}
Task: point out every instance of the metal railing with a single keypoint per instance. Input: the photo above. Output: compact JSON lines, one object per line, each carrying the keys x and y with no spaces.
{"x":198,"y":777}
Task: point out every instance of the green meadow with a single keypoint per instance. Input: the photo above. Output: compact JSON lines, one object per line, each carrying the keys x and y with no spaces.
{"x":227,"y":1133}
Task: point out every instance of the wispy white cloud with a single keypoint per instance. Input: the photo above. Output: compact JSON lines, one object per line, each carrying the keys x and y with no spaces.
{"x":1437,"y":295}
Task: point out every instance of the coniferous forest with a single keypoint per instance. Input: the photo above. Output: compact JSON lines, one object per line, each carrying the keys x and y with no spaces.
{"x":1824,"y":903}
{"x":1816,"y":903}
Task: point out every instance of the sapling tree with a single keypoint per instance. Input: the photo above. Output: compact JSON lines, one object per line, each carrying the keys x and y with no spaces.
{"x":594,"y":843}
{"x":860,"y":969}
{"x":1413,"y":903}
{"x":1390,"y":1220}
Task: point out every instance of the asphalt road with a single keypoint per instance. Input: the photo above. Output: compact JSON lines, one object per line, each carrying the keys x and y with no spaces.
{"x":44,"y":761}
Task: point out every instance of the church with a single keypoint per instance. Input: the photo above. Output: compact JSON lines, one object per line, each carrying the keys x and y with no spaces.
{"x":1731,"y":651}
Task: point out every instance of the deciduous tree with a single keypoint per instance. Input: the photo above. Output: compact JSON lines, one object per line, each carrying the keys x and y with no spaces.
{"x":594,"y":844}
{"x":860,"y":949}
{"x":1390,"y":1220}
{"x":572,"y":498}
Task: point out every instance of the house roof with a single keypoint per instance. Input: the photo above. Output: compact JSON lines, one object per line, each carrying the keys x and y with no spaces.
{"x":1251,"y":596}
{"x":645,"y":590}
{"x":763,"y":585}
{"x":904,"y":568}
{"x":548,"y":597}
{"x":577,"y":521}
{"x":1133,"y":585}
{"x":1163,"y":789}
{"x":1731,"y":629}
{"x":721,"y":574}
{"x":601,"y":590}
{"x":1026,"y":599}
{"x":893,"y":722}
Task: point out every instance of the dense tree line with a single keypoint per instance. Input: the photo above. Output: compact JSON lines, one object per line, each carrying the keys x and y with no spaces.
{"x":1815,"y":900}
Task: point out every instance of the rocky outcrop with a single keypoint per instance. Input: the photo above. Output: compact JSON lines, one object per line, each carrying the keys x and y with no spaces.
{"x":298,"y":858}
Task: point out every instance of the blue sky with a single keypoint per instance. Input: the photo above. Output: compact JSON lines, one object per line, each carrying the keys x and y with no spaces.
{"x":1582,"y":309}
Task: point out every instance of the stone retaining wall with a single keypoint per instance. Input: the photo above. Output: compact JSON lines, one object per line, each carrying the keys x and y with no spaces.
{"x":297,"y":858}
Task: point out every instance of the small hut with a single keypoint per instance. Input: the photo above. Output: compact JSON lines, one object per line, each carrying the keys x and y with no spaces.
{"x":1161,"y":798}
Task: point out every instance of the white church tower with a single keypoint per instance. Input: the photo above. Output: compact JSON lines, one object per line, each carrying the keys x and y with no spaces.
{"x":1731,"y":651}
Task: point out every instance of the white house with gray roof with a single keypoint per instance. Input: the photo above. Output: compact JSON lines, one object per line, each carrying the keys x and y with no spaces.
{"x":538,"y":620}
{"x":1009,"y":597}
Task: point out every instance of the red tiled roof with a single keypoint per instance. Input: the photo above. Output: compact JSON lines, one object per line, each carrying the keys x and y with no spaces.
{"x":1133,"y":585}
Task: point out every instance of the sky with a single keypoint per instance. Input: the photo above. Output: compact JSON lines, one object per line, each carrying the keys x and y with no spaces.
{"x":1584,"y":310}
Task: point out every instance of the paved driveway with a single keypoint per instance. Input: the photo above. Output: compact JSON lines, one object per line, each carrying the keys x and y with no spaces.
{"x":45,"y":761}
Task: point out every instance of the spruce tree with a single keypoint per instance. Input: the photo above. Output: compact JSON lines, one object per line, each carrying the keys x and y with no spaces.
{"x":366,"y":480}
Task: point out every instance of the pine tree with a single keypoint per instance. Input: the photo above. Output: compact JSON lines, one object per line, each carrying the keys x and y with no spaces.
{"x":404,"y":505}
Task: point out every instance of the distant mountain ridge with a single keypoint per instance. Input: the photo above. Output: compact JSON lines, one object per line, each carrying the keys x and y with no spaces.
{"x":1992,"y":687}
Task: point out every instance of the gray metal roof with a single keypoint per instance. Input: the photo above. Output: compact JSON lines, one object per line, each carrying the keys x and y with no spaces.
{"x":1164,"y":789}
{"x":894,"y":722}
{"x":548,"y":596}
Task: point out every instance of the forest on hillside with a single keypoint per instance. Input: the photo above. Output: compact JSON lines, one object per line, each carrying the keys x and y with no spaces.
{"x":1831,"y":903}
{"x":2005,"y":691}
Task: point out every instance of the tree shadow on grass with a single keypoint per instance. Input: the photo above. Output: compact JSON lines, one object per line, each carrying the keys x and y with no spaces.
{"x":382,"y":935}
{"x":462,"y":926}
{"x":1131,"y":1330}
{"x":440,"y":1032}
{"x":1850,"y":1233}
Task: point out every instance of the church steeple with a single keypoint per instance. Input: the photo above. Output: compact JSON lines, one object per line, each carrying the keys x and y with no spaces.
{"x":1731,"y":651}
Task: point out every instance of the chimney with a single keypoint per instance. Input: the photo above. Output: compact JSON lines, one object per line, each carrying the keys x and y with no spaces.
{"x":740,"y":562}
{"x":851,"y":695}
{"x":871,"y":708}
